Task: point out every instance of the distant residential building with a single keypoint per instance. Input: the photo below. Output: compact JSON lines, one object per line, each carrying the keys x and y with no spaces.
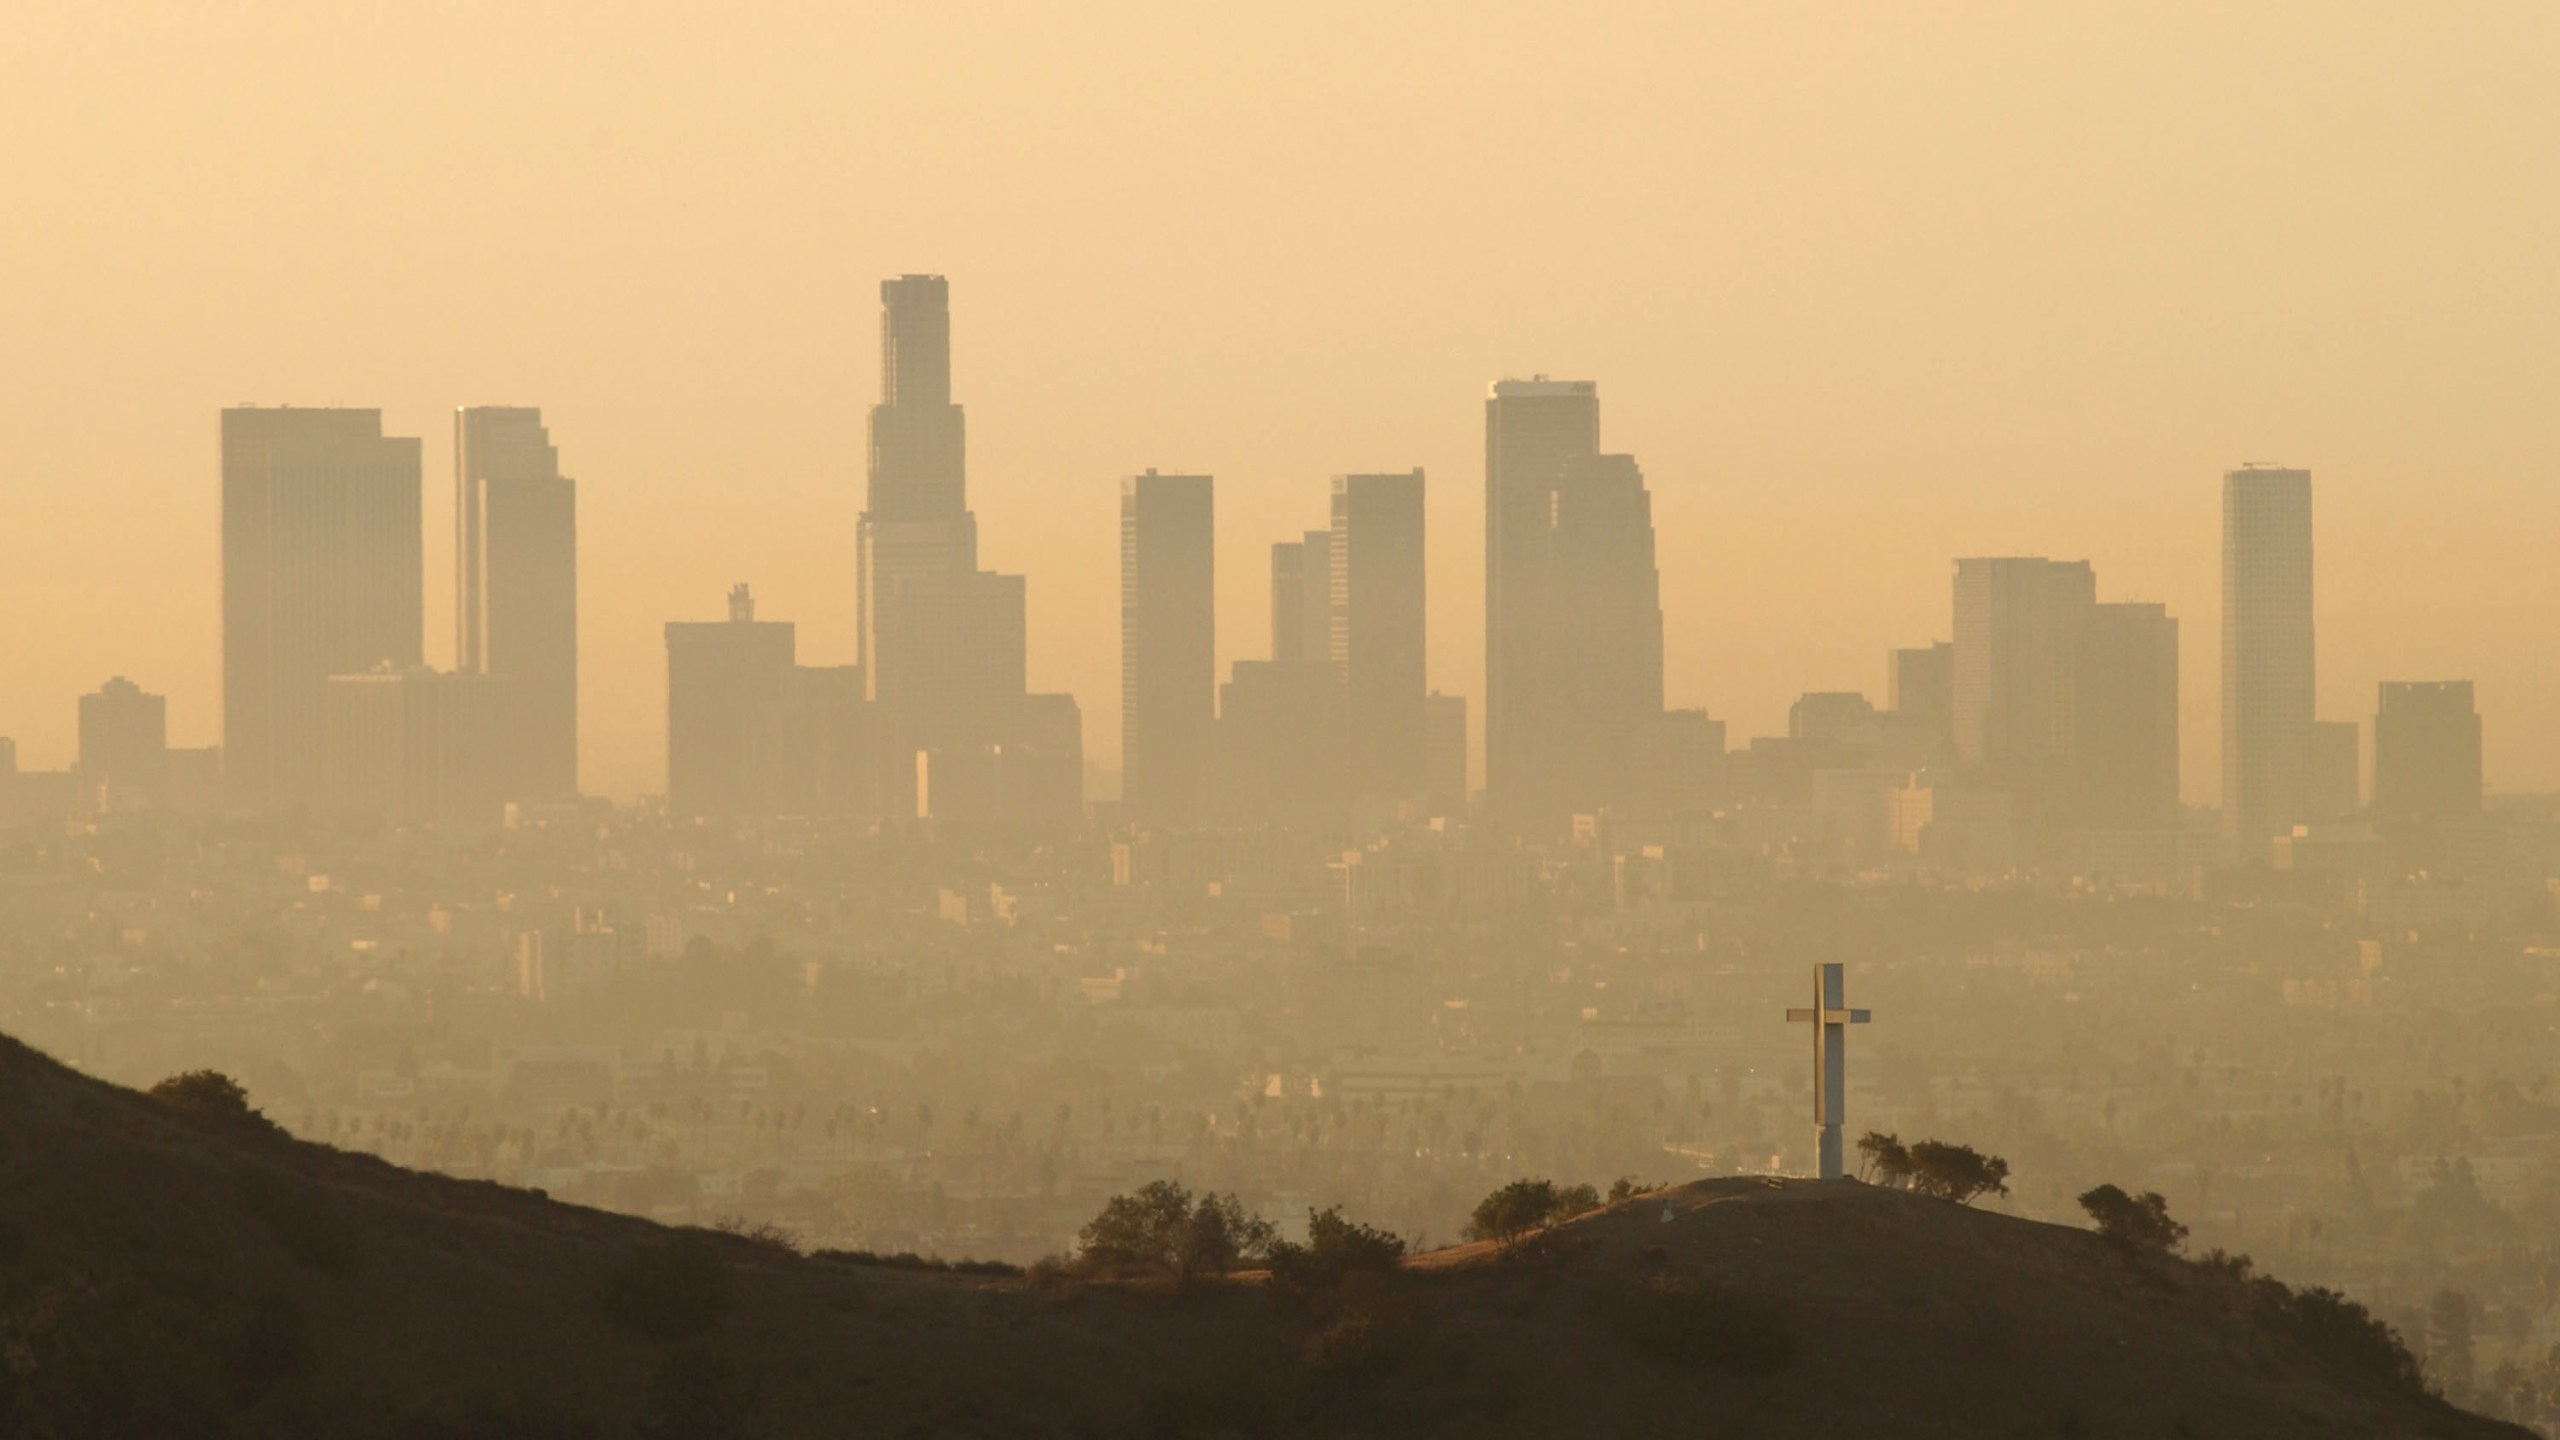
{"x":124,"y":747}
{"x":321,"y":576}
{"x":1378,"y":629}
{"x":1168,"y":657}
{"x":516,"y":586}
{"x":2426,"y":754}
{"x":2268,"y":679}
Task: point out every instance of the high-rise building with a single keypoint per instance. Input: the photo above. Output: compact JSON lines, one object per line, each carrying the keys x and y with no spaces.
{"x":942,"y":642}
{"x":726,"y":684}
{"x":515,"y":533}
{"x":1168,"y":660}
{"x":321,"y":575}
{"x":1920,"y":692}
{"x":2426,"y":754}
{"x":2268,"y":679}
{"x":124,"y":747}
{"x":1377,"y":631}
{"x":2018,"y":622}
{"x":417,"y":744}
{"x":2125,"y":719}
{"x":1041,"y":778}
{"x":1604,"y":663}
{"x":1444,"y":747}
{"x":1288,"y":600}
{"x":1531,"y":428}
{"x":2337,"y":770}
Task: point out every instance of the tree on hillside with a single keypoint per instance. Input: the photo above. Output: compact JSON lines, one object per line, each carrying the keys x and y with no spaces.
{"x":1163,"y":1228}
{"x":1957,"y":1172}
{"x":1522,"y":1208}
{"x":1883,"y":1160}
{"x":208,"y":1091}
{"x":1335,"y":1248}
{"x":2449,"y":1351}
{"x":2141,"y":1221}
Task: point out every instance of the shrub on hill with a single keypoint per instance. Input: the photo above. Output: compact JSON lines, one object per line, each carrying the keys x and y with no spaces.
{"x":1523,"y":1208}
{"x":1884,"y":1160}
{"x":1957,"y":1172}
{"x":2341,"y":1333}
{"x":1335,"y":1248}
{"x":2141,"y":1221}
{"x":1163,"y":1228}
{"x":207,"y":1092}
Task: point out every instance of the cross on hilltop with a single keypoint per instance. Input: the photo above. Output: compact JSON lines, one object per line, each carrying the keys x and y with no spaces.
{"x":1831,"y":1019}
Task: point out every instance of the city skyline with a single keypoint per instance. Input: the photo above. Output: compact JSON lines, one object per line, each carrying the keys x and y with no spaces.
{"x":2077,"y":395}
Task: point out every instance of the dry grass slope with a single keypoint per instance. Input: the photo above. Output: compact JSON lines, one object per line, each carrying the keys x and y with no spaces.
{"x":164,"y":1271}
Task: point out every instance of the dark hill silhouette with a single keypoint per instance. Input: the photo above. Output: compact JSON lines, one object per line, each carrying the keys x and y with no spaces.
{"x":170,"y":1270}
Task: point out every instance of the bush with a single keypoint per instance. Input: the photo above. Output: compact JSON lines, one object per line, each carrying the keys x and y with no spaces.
{"x":669,"y":1290}
{"x":206,"y":1092}
{"x":1335,"y":1248}
{"x":1162,"y":1228}
{"x":2141,"y":1221}
{"x":1883,"y":1159}
{"x":763,"y":1234}
{"x":2342,"y":1334}
{"x":1627,"y":1187}
{"x":1522,"y":1208}
{"x":1692,"y":1325}
{"x":1957,"y":1172}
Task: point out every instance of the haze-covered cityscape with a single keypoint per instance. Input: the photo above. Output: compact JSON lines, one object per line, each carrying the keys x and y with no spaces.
{"x":875,"y":925}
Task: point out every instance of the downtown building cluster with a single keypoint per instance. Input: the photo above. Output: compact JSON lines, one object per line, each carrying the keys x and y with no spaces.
{"x":2044,"y":734}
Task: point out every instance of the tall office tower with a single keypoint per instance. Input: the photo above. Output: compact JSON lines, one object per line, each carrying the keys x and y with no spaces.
{"x":2337,"y":770}
{"x":1168,"y":642}
{"x":1688,"y":764}
{"x":124,"y":747}
{"x":415,"y":744}
{"x":515,"y":542}
{"x":825,"y":756}
{"x":2426,"y":754}
{"x":1041,"y":775}
{"x":1444,"y":750}
{"x":1920,"y":687}
{"x":2017,"y":625}
{"x":1604,"y":670}
{"x":1377,"y":632}
{"x":1531,"y":428}
{"x":2125,"y":722}
{"x":941,"y":640}
{"x":322,"y":560}
{"x":1288,"y":601}
{"x":725,"y":684}
{"x":2268,"y":683}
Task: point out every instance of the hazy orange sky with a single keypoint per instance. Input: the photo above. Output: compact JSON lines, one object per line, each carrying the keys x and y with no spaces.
{"x":1865,"y":287}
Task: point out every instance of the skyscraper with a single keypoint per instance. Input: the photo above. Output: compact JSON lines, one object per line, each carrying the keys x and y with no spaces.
{"x":515,"y":534}
{"x":1444,"y":741}
{"x":2125,"y":719}
{"x":1600,"y":702}
{"x":2426,"y":754}
{"x":124,"y":747}
{"x":1377,"y":631}
{"x":2017,"y":626}
{"x":322,"y":558}
{"x":1531,"y":428}
{"x":1288,"y":601}
{"x":1168,"y":661}
{"x":2268,"y":682}
{"x":728,"y":683}
{"x":942,"y":642}
{"x":414,"y":744}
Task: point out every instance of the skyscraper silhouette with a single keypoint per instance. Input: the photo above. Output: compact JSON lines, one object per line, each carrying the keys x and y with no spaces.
{"x":322,"y":561}
{"x":941,"y":640}
{"x":1600,"y":694}
{"x":1531,"y":427}
{"x":2268,"y":656}
{"x":1168,"y":662}
{"x":1377,"y":631}
{"x":124,"y":747}
{"x":2124,"y":731}
{"x":516,"y":588}
{"x":728,"y":683}
{"x":2426,"y":754}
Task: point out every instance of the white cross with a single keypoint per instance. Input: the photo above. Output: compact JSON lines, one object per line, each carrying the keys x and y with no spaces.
{"x":1830,"y":1018}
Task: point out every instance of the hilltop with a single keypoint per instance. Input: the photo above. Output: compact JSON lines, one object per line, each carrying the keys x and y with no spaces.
{"x":170,"y":1272}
